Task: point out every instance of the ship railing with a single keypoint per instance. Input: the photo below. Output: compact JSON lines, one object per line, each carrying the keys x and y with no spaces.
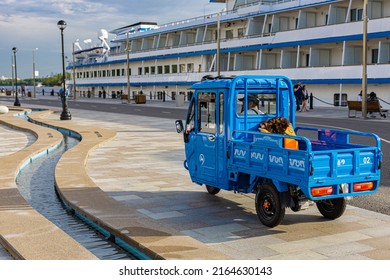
{"x":209,"y":17}
{"x":260,"y":2}
{"x":119,"y":52}
{"x":267,"y":34}
{"x":265,"y":2}
{"x":212,"y":41}
{"x":188,"y":21}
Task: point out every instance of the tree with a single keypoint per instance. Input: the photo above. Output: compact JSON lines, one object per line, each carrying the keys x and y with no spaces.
{"x":48,"y":81}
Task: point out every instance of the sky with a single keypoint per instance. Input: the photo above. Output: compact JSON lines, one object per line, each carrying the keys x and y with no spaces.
{"x":31,"y":26}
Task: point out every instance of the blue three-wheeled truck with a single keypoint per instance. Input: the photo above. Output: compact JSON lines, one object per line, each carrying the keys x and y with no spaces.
{"x":233,"y":141}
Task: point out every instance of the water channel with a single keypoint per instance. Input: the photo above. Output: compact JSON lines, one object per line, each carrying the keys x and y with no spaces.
{"x":36,"y":184}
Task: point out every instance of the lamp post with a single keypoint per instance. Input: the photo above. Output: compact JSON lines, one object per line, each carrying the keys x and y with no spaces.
{"x":74,"y":73}
{"x":128,"y":66}
{"x":16,"y":103}
{"x":218,"y":58}
{"x":13,"y":67}
{"x":33,"y":55}
{"x":364,"y":75}
{"x":65,"y":115}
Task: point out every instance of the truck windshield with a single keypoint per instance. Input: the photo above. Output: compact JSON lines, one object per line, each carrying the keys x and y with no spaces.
{"x":257,"y":104}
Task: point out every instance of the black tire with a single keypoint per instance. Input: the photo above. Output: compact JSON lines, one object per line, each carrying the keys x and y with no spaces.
{"x":332,"y":208}
{"x":268,"y":206}
{"x":212,"y":190}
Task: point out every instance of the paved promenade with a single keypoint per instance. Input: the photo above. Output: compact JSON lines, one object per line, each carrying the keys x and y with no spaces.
{"x":127,"y":175}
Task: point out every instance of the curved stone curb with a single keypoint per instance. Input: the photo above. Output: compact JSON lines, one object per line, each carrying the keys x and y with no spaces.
{"x":24,"y":232}
{"x":77,"y":189}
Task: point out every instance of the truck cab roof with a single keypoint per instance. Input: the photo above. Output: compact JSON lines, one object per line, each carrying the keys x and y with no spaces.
{"x":240,"y":82}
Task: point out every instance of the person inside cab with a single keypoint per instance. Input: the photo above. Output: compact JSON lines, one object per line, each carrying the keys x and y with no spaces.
{"x":253,"y":105}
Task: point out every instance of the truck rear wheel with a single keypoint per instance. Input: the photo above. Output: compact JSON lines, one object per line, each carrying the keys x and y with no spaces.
{"x":332,"y":208}
{"x":268,"y":206}
{"x":212,"y":190}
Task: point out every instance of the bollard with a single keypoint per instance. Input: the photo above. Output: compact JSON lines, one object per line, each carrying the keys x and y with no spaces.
{"x":311,"y":101}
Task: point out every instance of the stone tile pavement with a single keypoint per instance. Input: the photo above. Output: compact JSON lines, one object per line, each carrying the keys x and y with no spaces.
{"x":149,"y":197}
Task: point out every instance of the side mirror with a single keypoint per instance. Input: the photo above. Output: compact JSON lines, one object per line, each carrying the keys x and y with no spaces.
{"x":179,"y":126}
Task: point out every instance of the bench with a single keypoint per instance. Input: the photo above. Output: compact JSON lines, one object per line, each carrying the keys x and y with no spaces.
{"x":372,"y":107}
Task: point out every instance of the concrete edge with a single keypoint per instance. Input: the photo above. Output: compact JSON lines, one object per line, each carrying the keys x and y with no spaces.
{"x":24,"y":232}
{"x":151,"y":237}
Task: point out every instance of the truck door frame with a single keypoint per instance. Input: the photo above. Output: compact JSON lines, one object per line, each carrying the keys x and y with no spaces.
{"x":205,"y":149}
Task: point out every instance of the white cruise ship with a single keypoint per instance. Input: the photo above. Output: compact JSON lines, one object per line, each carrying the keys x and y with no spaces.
{"x":317,"y":42}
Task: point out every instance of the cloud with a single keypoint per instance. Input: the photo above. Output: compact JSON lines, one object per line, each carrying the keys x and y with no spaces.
{"x":80,"y":7}
{"x":5,"y":18}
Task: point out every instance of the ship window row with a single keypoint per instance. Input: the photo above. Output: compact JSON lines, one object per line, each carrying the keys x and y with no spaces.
{"x":259,"y":26}
{"x":324,"y":55}
{"x":327,"y":55}
{"x":146,"y":70}
{"x":101,"y":73}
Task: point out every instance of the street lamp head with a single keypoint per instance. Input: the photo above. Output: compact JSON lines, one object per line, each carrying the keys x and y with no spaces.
{"x":61,"y":24}
{"x":14,"y":49}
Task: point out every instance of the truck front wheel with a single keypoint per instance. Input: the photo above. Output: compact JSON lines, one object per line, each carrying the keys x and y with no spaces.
{"x":212,"y":190}
{"x":268,"y":206}
{"x":332,"y":208}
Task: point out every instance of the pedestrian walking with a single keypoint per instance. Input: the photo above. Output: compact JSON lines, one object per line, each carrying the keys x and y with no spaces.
{"x":305,"y":97}
{"x":298,"y":93}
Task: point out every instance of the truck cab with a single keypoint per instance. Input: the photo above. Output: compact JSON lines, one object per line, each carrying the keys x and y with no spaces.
{"x":226,"y":148}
